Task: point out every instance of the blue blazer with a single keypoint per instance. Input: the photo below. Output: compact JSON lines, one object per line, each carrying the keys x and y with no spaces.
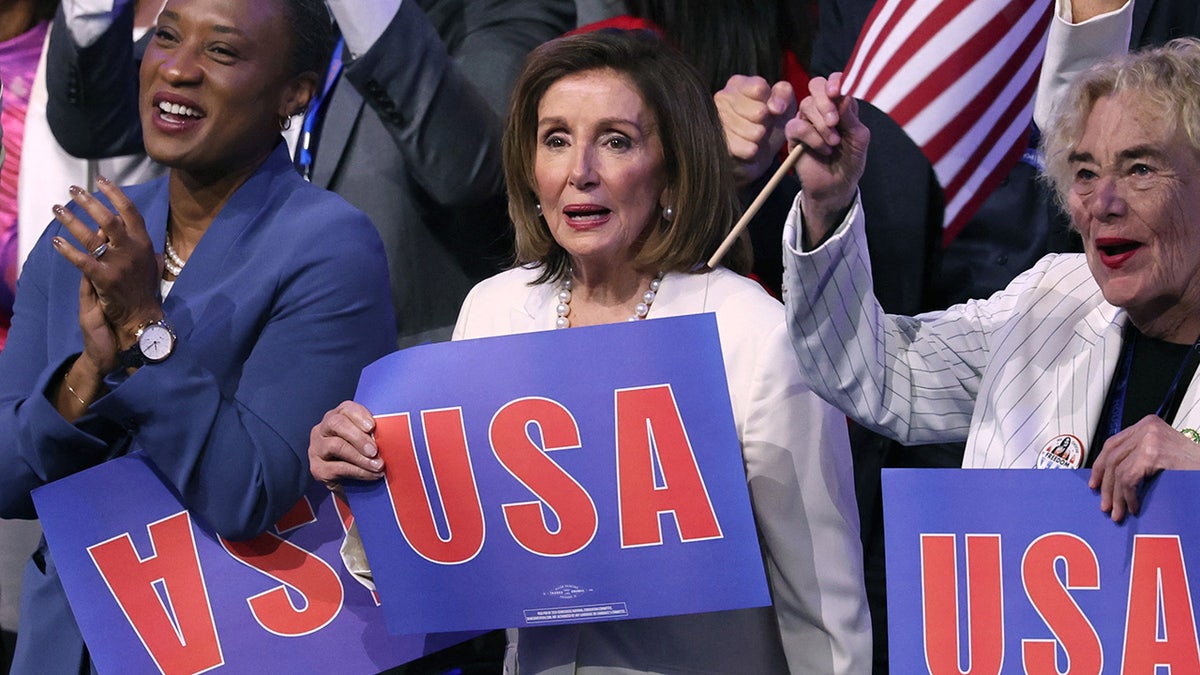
{"x":392,"y":141}
{"x":282,"y":303}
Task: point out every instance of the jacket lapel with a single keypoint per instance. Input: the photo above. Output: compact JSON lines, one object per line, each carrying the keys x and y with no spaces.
{"x":237,"y":219}
{"x":1188,"y":416}
{"x":1141,"y":16}
{"x":537,"y":312}
{"x":680,"y":294}
{"x":341,"y":119}
{"x":1080,"y":378}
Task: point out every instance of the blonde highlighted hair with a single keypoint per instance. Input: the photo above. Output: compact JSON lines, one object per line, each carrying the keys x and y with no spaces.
{"x":699,"y":170}
{"x":1166,"y":78}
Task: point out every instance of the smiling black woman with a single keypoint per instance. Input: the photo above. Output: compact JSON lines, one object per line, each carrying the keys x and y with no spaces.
{"x":216,"y":361}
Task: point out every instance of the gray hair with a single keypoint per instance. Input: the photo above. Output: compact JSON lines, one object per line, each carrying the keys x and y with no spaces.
{"x":1166,"y":78}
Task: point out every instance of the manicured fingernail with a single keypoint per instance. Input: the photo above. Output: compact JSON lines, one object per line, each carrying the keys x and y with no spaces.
{"x":58,"y":210}
{"x":58,"y":242}
{"x":100,"y":178}
{"x":75,"y":190}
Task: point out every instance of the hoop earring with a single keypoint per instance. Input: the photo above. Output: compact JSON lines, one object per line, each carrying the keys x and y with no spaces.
{"x":285,"y":123}
{"x":668,"y":213}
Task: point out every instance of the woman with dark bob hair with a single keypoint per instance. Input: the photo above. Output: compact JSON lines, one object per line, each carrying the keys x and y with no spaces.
{"x":620,"y":188}
{"x":705,"y":201}
{"x":212,"y":360}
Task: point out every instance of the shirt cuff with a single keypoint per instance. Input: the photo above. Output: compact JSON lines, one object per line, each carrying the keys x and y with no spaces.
{"x":795,"y":238}
{"x":1072,"y":48}
{"x":362,"y":23}
{"x":88,"y":19}
{"x":1063,"y":10}
{"x":354,"y":557}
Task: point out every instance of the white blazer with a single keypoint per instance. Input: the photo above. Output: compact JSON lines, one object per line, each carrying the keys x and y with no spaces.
{"x":1009,"y":374}
{"x":799,"y":471}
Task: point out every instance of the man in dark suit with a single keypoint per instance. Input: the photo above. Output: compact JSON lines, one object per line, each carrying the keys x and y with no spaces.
{"x":409,"y":130}
{"x":1157,"y":21}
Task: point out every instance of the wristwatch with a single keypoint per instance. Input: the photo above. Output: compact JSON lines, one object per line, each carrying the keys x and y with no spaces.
{"x":154,"y":342}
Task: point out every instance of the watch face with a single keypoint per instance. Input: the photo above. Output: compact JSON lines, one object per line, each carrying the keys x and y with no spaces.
{"x":156,"y":342}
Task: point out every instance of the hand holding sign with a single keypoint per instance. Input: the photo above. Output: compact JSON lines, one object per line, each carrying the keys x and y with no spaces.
{"x":155,"y":591}
{"x":1016,"y":568}
{"x":342,"y":446}
{"x":614,"y":488}
{"x":1134,"y":455}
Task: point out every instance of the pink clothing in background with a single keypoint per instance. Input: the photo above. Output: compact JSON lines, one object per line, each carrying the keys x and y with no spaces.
{"x":18,"y":65}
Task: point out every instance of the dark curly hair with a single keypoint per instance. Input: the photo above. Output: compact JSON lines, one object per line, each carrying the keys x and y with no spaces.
{"x":313,"y":35}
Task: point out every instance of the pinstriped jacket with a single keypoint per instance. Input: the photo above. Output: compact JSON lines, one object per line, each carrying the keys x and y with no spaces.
{"x":1008,"y":374}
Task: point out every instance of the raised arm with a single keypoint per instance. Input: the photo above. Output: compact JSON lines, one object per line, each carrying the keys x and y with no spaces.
{"x":835,"y":142}
{"x":1081,"y":33}
{"x":443,"y":97}
{"x":753,"y":115}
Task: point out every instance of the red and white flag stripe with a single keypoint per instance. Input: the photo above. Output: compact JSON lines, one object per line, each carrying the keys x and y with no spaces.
{"x":959,"y":77}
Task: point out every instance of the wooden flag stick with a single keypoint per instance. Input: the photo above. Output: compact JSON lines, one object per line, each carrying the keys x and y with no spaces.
{"x":755,"y":205}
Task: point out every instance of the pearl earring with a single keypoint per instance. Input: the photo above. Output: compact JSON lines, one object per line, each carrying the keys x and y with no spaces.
{"x":538,"y":205}
{"x":668,"y":213}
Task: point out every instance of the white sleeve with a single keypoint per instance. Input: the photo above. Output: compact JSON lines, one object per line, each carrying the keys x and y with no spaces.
{"x":800,"y":473}
{"x":913,"y":379}
{"x":363,"y":21}
{"x":354,"y":557}
{"x":1072,"y":48}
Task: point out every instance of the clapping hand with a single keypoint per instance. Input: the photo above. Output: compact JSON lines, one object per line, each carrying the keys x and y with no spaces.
{"x":120,"y":270}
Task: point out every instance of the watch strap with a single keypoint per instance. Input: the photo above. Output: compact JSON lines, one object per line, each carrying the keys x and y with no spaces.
{"x":134,"y":357}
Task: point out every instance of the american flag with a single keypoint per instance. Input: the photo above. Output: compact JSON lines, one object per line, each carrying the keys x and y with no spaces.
{"x":959,"y":77}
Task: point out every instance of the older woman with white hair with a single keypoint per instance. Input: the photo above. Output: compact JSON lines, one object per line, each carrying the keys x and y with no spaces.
{"x":1084,"y":360}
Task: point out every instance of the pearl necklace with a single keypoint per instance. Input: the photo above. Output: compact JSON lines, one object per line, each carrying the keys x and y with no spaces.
{"x":564,"y":301}
{"x":172,"y":261}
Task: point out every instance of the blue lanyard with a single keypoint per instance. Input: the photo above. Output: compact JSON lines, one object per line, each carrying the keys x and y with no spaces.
{"x":308,"y":142}
{"x":1117,"y":411}
{"x":1168,"y":400}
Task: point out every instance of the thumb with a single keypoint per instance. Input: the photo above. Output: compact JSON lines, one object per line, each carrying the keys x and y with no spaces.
{"x":833,"y":86}
{"x":783,"y":99}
